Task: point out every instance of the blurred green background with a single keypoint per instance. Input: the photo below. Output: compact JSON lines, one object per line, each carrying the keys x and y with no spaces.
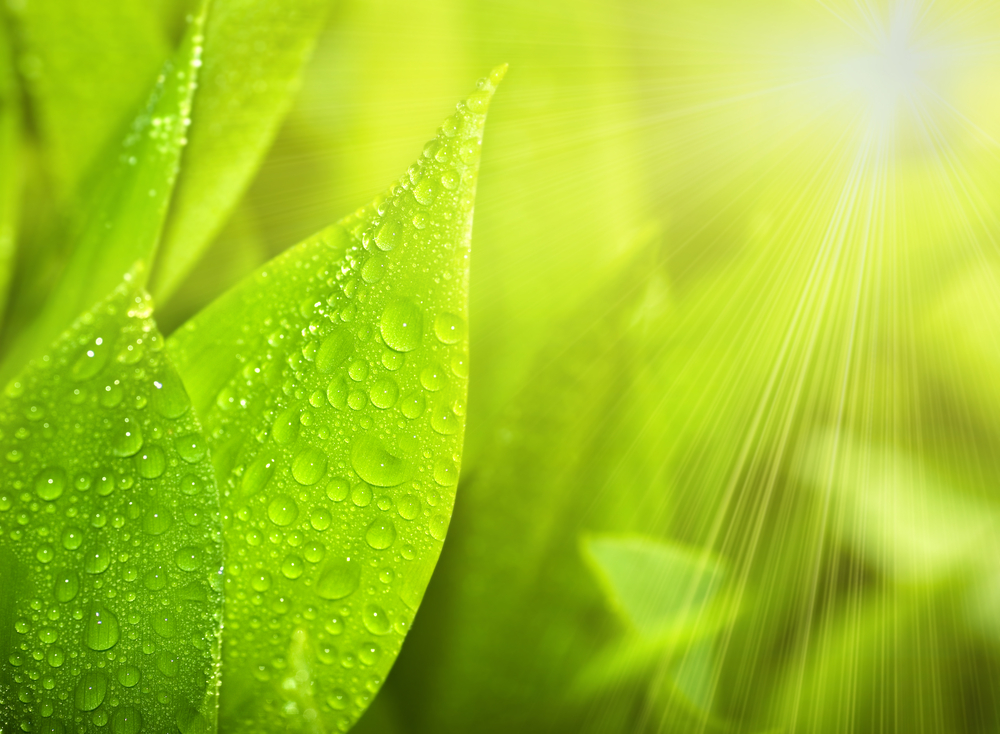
{"x":734,"y":296}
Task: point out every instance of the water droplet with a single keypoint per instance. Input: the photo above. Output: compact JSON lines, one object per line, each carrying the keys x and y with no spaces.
{"x":292,"y":567}
{"x":375,"y":465}
{"x":376,"y":620}
{"x":55,"y":657}
{"x":338,"y":699}
{"x":337,"y":393}
{"x":314,"y":552}
{"x":444,"y":420}
{"x":402,"y":325}
{"x":50,"y":483}
{"x":167,"y":663}
{"x":445,"y":473}
{"x":286,"y":426}
{"x":384,"y":393}
{"x":438,"y":527}
{"x":425,"y":191}
{"x":282,"y":510}
{"x":101,"y":631}
{"x":478,"y":102}
{"x":190,"y":447}
{"x":339,"y":578}
{"x":44,"y":553}
{"x":450,"y":179}
{"x":164,"y":625}
{"x":155,"y":578}
{"x":151,"y":463}
{"x":361,"y":494}
{"x":127,"y":438}
{"x":449,"y":328}
{"x":338,"y":489}
{"x":188,"y":558}
{"x":433,"y":377}
{"x":358,"y":370}
{"x":91,"y":361}
{"x":320,"y":518}
{"x":390,"y":234}
{"x":380,"y":534}
{"x":90,"y":691}
{"x":309,"y":466}
{"x":67,"y":585}
{"x":257,"y":475}
{"x":374,"y":268}
{"x":97,"y":559}
{"x":260,"y":581}
{"x":190,"y":721}
{"x":413,"y":405}
{"x":169,"y":397}
{"x":408,"y":507}
{"x":127,"y":720}
{"x":369,"y":653}
{"x":129,"y":675}
{"x":336,"y":347}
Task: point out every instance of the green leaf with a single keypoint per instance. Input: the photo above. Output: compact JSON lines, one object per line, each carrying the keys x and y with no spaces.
{"x":655,"y":586}
{"x":109,"y":512}
{"x":514,"y":614}
{"x":119,"y":222}
{"x":10,"y":163}
{"x":332,"y":384}
{"x":254,"y":54}
{"x":87,"y":66}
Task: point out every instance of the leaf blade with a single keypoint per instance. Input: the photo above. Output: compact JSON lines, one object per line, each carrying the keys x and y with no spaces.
{"x":111,"y":511}
{"x":119,"y":221}
{"x":254,"y":54}
{"x":348,"y":457}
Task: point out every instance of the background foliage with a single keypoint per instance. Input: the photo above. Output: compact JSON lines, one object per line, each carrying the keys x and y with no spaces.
{"x":731,"y":454}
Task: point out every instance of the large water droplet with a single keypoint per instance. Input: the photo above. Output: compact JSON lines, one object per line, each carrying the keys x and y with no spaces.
{"x":129,"y":675}
{"x":285,"y":428}
{"x":402,"y":325}
{"x":384,"y":393}
{"x":97,"y":559}
{"x":413,"y":405}
{"x":336,"y":347}
{"x":126,"y":439}
{"x":380,"y":534}
{"x":90,"y":691}
{"x":151,"y":463}
{"x":449,"y":328}
{"x":169,"y":397}
{"x":309,"y":466}
{"x":50,"y":483}
{"x":91,"y":361}
{"x":376,"y":620}
{"x":127,"y":720}
{"x":340,"y":577}
{"x":282,"y":510}
{"x":375,"y":465}
{"x":67,"y":585}
{"x":292,"y":567}
{"x":188,"y":558}
{"x":390,"y":234}
{"x":190,"y":447}
{"x":257,"y":475}
{"x":156,"y":520}
{"x":101,"y":631}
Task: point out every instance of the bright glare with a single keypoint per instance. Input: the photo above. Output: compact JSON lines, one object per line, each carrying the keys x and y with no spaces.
{"x":890,"y":76}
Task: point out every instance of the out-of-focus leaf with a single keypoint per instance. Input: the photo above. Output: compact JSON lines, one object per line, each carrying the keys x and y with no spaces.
{"x":87,"y":66}
{"x":655,"y":586}
{"x":333,"y":386}
{"x":10,"y":163}
{"x":109,"y":510}
{"x":513,"y":613}
{"x":120,"y":221}
{"x":254,"y":54}
{"x":893,"y":511}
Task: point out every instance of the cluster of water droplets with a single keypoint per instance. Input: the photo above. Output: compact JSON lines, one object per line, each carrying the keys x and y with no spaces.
{"x":110,"y":536}
{"x":344,"y":425}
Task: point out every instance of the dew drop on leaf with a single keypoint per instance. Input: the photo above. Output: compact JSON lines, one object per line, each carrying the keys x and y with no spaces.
{"x":402,"y":325}
{"x":375,"y":465}
{"x":339,"y":578}
{"x":102,"y":630}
